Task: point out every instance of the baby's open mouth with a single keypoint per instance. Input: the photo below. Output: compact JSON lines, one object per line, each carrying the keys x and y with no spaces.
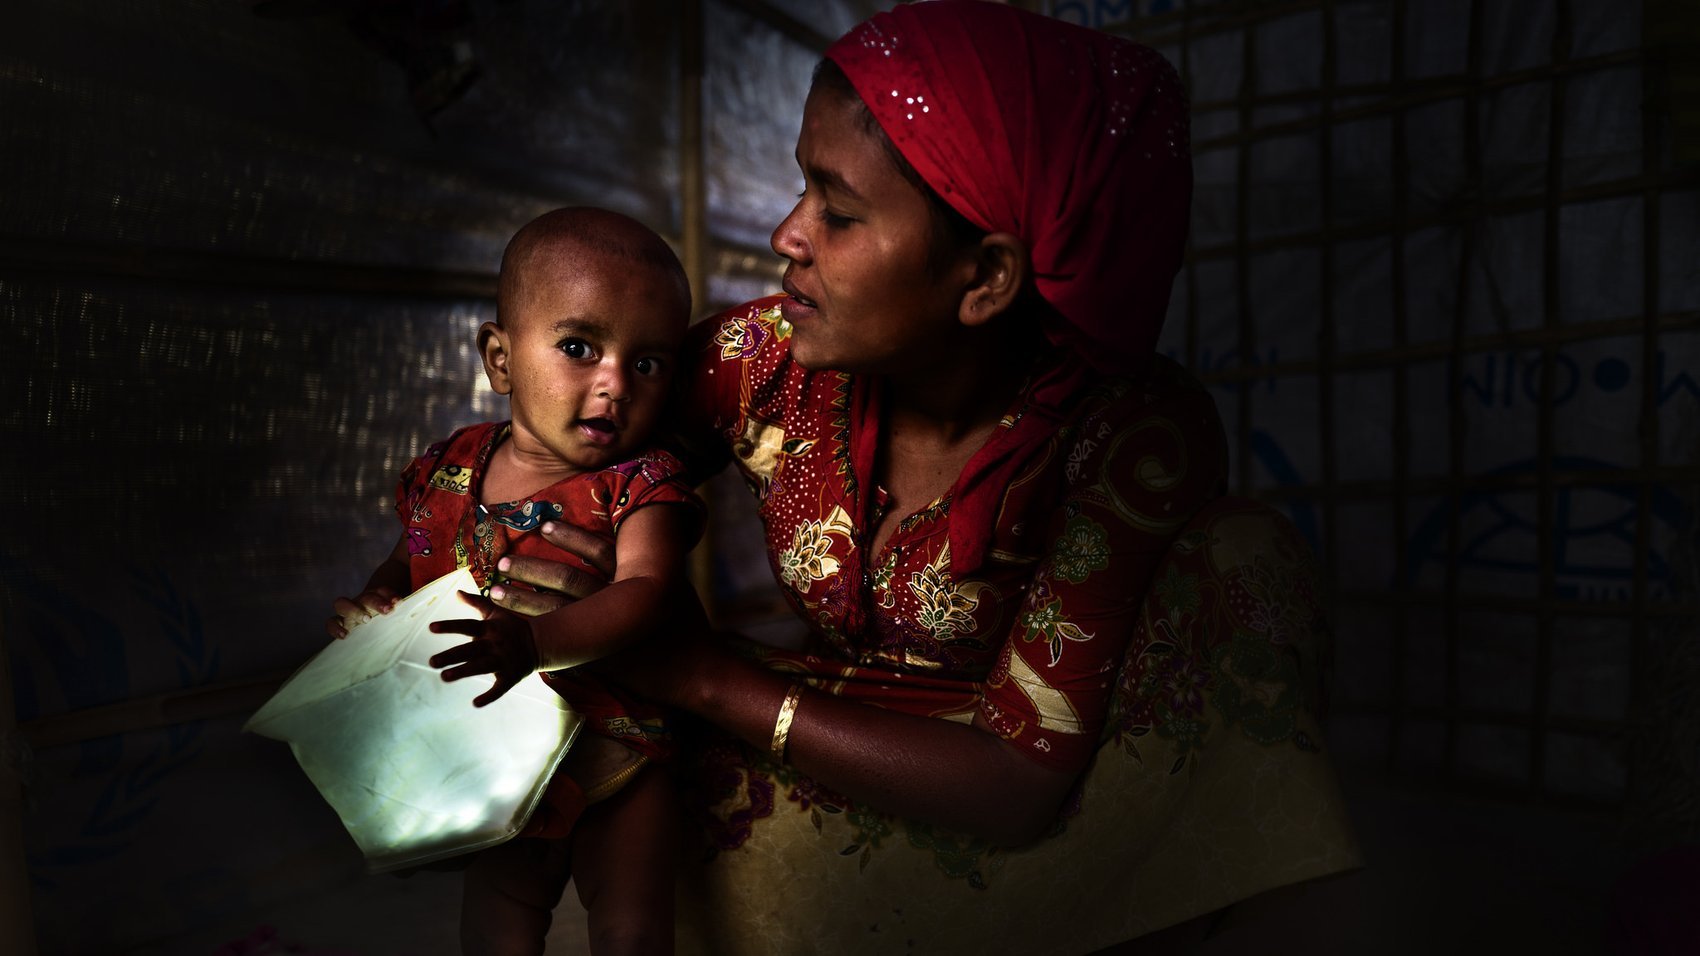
{"x":602,"y":426}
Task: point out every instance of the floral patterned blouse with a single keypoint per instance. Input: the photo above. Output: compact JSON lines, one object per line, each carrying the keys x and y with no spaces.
{"x":447,"y":527}
{"x":1029,"y":634}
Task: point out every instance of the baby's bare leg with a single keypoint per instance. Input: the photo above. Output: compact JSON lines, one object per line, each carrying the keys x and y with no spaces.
{"x":624,"y":850}
{"x":508,"y":896}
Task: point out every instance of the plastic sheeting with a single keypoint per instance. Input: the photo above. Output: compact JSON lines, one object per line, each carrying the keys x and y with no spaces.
{"x":241,"y":275}
{"x":416,"y":771}
{"x":1498,"y":704}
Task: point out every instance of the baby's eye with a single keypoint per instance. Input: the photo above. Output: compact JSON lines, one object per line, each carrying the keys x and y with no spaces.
{"x":576,"y":348}
{"x":648,"y":365}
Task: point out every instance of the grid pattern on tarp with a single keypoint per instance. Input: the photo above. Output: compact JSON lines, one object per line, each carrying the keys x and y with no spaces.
{"x":1441,"y":280}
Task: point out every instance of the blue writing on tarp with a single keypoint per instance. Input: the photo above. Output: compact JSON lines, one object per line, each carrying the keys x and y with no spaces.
{"x":1505,"y":379}
{"x":1683,"y":383}
{"x":1280,"y":467}
{"x":82,"y":648}
{"x":1097,"y":13}
{"x":1593,"y":557}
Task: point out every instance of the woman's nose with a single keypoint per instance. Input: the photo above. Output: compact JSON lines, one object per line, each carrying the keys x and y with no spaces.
{"x":788,"y":238}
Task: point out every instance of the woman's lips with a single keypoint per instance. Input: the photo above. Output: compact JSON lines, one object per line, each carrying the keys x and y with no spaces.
{"x":797,"y":306}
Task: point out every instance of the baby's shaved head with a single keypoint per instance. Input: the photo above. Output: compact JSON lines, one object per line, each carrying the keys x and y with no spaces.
{"x":566,"y":241}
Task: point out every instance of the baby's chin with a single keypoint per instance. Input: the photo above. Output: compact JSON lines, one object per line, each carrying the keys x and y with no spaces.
{"x":599,"y":458}
{"x":623,"y":448}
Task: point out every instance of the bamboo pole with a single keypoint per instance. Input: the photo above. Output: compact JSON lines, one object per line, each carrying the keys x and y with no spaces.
{"x":692,"y":194}
{"x":207,"y":702}
{"x":784,"y":24}
{"x":693,"y":227}
{"x":138,"y":262}
{"x":17,"y":925}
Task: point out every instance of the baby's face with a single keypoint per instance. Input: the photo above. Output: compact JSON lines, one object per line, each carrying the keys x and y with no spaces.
{"x":591,"y":359}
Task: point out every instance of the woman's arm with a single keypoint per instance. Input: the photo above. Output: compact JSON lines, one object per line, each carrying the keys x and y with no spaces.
{"x":956,"y":775}
{"x":1143,"y":465}
{"x":649,"y":555}
{"x":1004,"y":776}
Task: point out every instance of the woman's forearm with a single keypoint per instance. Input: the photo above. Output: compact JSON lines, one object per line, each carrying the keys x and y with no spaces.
{"x":955,"y":775}
{"x":959,"y":776}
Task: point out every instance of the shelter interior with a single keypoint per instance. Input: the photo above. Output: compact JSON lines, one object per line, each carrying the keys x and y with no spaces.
{"x":1443,"y":281}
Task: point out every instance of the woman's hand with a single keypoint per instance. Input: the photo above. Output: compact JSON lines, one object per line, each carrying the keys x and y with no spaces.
{"x":562,"y":581}
{"x":501,"y":645}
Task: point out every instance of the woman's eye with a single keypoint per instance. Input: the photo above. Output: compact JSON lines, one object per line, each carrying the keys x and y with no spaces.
{"x":831,"y":219}
{"x":647,"y":366}
{"x":576,"y":348}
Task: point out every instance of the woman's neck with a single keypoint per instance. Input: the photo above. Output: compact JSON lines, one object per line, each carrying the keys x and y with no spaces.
{"x":936,"y":419}
{"x":963,"y":393}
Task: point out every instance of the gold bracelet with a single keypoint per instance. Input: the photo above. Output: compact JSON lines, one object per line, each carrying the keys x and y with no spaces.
{"x":782,"y":724}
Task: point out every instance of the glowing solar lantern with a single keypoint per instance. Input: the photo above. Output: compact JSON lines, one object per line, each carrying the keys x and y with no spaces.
{"x":415,"y":772}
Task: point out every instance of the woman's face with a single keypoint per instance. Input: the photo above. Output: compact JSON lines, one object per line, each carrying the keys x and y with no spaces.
{"x":864,"y":297}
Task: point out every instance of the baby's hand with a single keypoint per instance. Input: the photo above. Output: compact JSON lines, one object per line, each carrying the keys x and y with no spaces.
{"x":365,"y":606}
{"x":501,"y":645}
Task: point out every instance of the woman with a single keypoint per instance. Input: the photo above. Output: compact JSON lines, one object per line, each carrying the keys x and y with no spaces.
{"x":1059,"y":695}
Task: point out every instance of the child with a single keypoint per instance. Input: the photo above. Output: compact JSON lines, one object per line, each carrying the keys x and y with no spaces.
{"x":591,"y":308}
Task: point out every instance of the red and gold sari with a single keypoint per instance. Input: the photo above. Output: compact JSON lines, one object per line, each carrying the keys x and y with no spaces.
{"x":1120,"y":614}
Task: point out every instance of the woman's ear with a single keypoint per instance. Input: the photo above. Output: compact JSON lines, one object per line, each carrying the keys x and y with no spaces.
{"x":1002,"y":270}
{"x":493,"y":347}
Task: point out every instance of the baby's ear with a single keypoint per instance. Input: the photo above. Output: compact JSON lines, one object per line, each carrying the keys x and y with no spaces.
{"x":1002,"y":269}
{"x":493,"y":348}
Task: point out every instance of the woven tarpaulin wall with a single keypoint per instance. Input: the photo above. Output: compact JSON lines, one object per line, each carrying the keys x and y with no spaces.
{"x":1442,"y":283}
{"x":1445,"y":284}
{"x":244,"y":248}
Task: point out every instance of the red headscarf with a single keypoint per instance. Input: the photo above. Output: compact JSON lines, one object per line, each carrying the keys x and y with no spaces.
{"x":1070,"y":139}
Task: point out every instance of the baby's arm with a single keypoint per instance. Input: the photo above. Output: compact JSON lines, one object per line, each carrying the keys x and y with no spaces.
{"x":649,"y":561}
{"x":389,"y":583}
{"x":650,"y":554}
